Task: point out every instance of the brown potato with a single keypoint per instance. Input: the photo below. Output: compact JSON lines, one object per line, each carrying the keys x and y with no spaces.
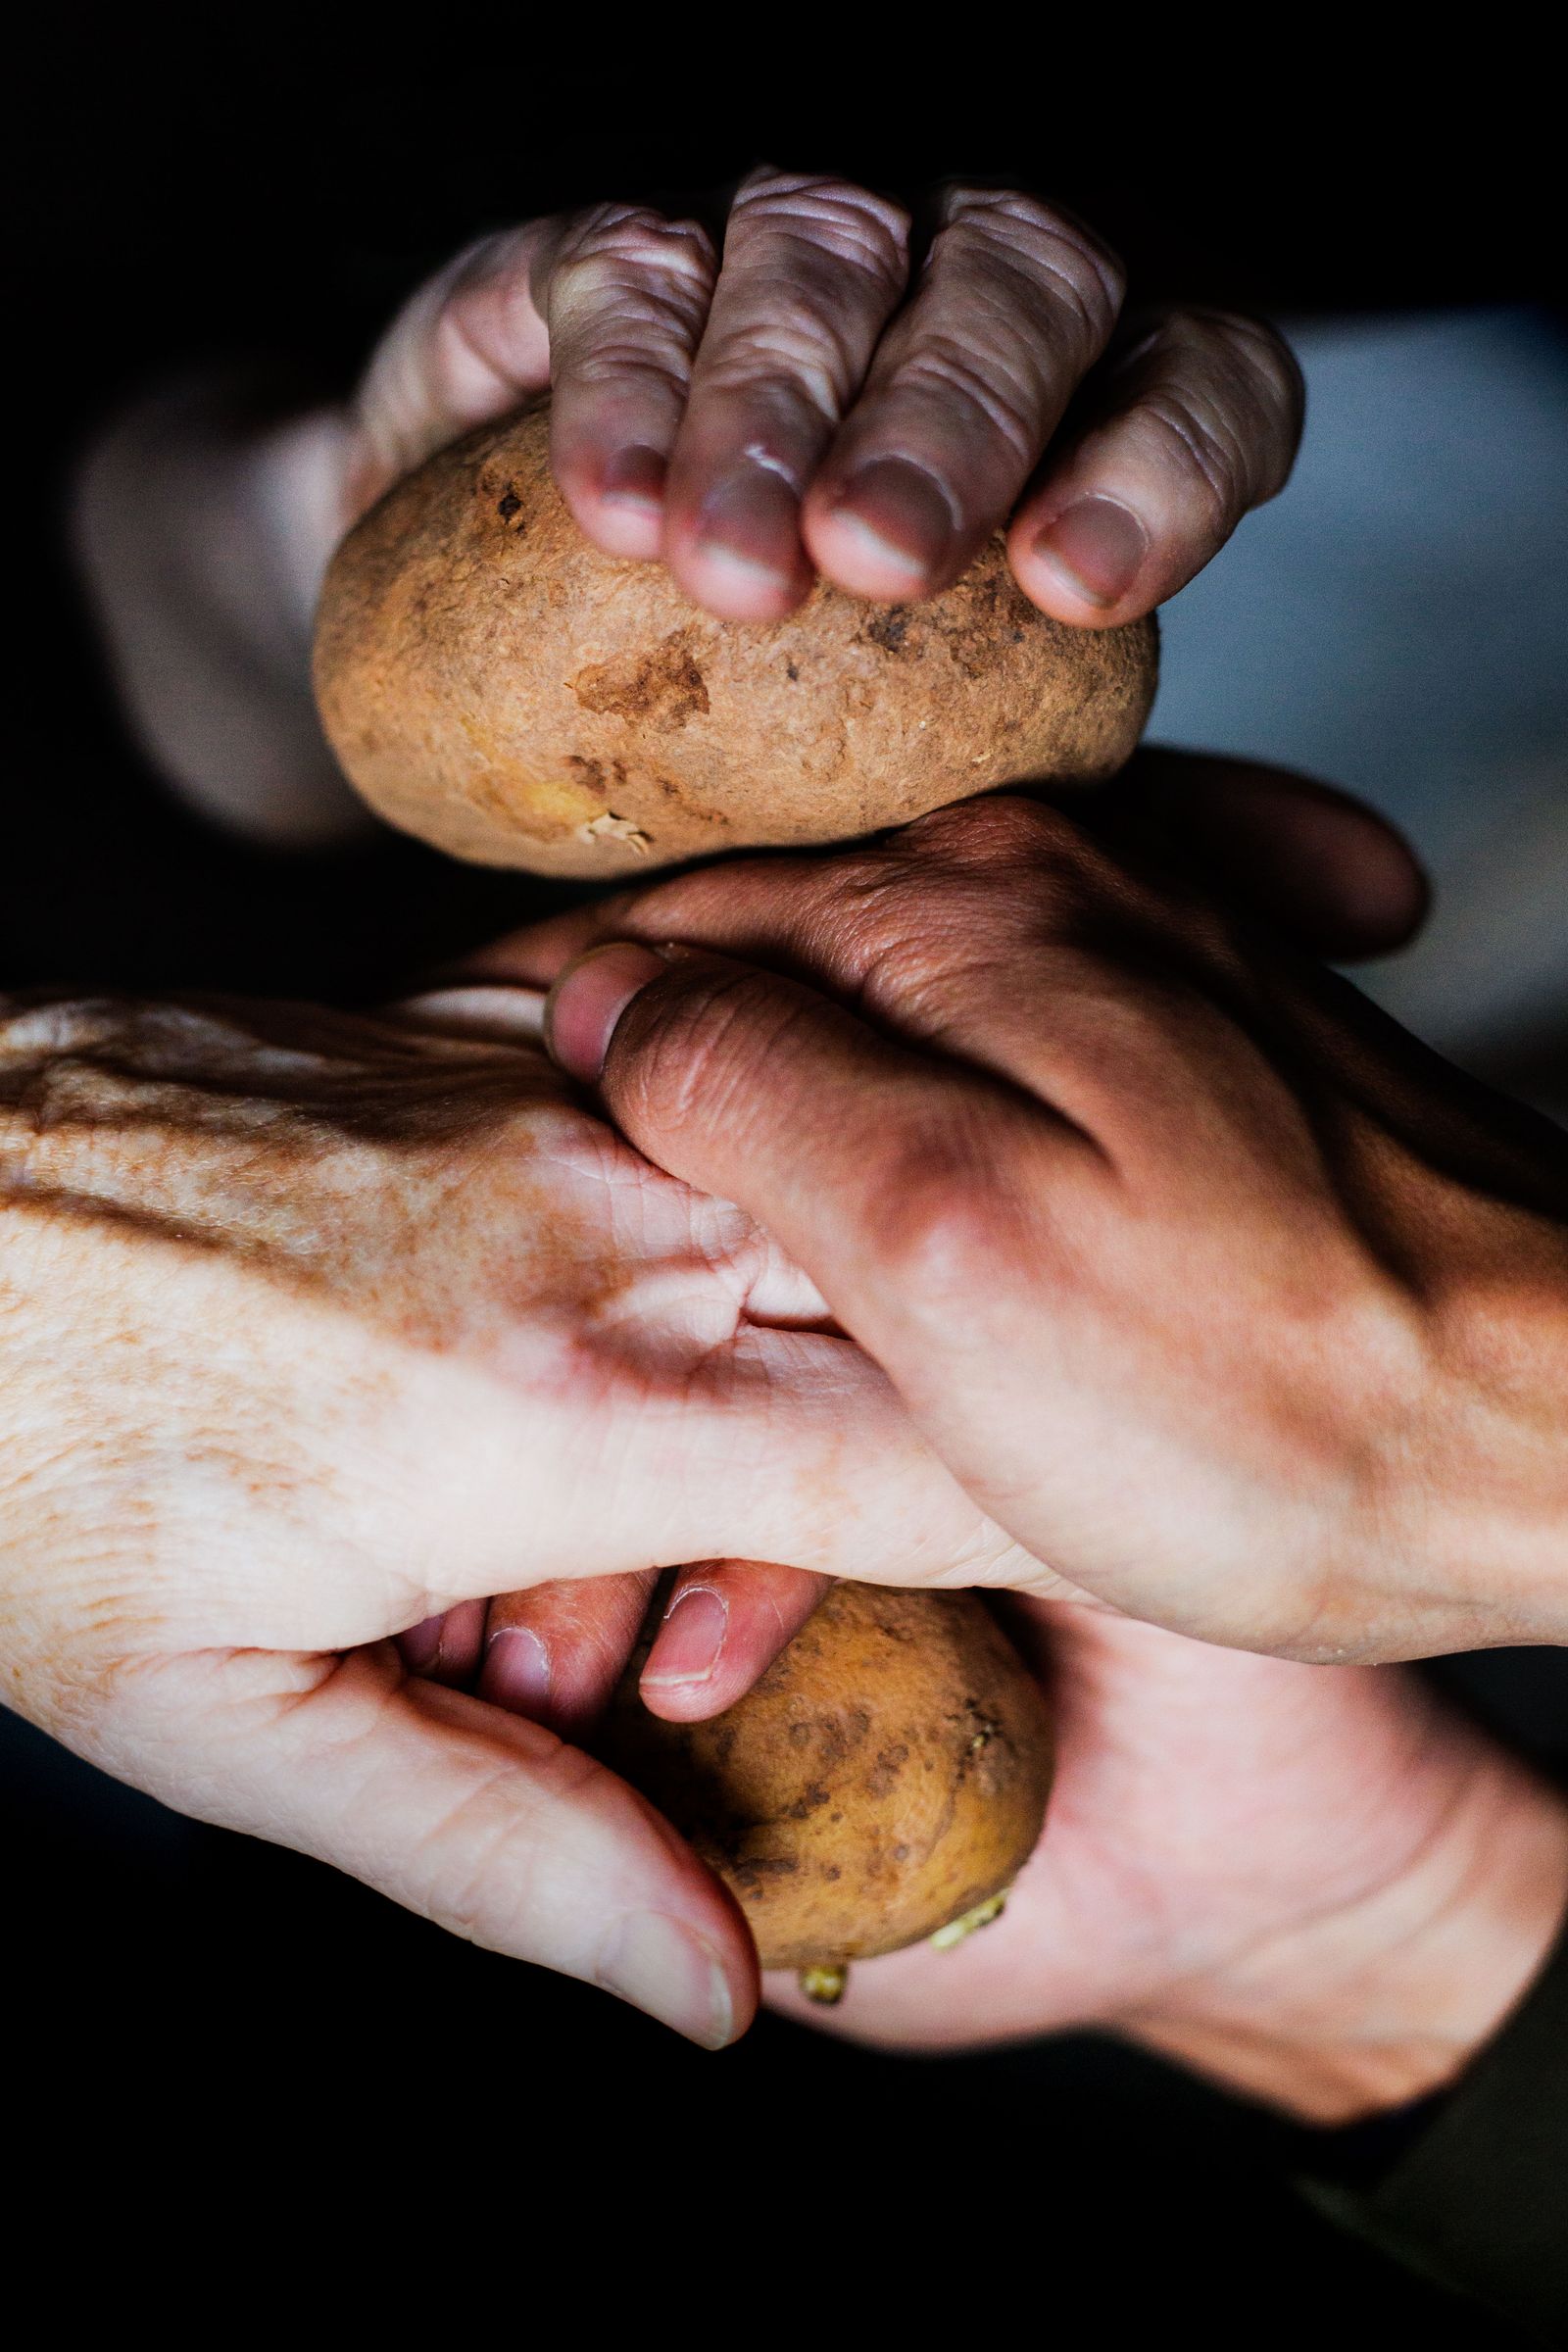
{"x":490,"y":681}
{"x":885,"y":1779}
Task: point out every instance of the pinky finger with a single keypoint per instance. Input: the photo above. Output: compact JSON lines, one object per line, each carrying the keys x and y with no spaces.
{"x":724,"y":1625}
{"x":1195,"y":425}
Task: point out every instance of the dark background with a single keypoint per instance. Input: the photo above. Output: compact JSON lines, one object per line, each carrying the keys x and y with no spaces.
{"x":305,"y":2044}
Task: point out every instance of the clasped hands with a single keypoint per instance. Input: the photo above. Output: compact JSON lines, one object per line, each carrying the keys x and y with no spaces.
{"x":983,"y":1205}
{"x":1009,"y":1202}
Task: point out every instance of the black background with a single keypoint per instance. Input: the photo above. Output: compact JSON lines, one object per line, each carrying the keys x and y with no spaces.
{"x":296,"y":2050}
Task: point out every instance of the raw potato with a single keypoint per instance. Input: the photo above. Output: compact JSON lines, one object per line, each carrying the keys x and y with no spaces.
{"x":490,"y":681}
{"x":886,"y":1777}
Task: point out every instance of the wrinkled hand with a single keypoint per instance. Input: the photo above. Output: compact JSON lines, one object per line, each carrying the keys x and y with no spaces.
{"x":314,"y":1329}
{"x":1233,"y":1305}
{"x":1316,"y":1885}
{"x":813,"y":402}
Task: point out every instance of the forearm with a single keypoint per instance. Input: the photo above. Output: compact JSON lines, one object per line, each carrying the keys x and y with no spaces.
{"x":202,"y":537}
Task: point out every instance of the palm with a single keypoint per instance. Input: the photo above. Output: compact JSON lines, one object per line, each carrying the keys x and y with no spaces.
{"x":1207,"y":1803}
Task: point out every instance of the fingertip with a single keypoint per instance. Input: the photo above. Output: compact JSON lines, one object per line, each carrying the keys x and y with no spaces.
{"x":1085,"y":564}
{"x":887,"y":534}
{"x":685,"y":1656}
{"x":618,"y":499}
{"x":735,"y":545}
{"x":587,"y":1000}
{"x":671,"y":1969}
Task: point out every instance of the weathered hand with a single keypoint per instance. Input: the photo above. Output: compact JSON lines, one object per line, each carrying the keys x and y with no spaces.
{"x":314,"y":1328}
{"x":1236,"y":1308}
{"x":808,"y":402}
{"x":1317,"y":1884}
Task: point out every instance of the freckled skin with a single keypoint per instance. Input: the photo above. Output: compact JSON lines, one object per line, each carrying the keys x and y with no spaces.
{"x":313,"y":1325}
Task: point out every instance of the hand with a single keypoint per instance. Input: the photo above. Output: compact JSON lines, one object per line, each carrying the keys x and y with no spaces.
{"x":1316,"y":1885}
{"x":314,"y":1329}
{"x":1231,"y":1304}
{"x":808,"y":406}
{"x":813,"y":404}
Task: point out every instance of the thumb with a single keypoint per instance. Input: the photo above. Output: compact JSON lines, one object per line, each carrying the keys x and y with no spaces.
{"x":480,"y":1820}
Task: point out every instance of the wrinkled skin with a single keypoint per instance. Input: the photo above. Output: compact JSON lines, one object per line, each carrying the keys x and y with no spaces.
{"x":1236,"y":1308}
{"x":824,"y":394}
{"x":815,"y":399}
{"x":312,"y":1327}
{"x":457,"y":1294}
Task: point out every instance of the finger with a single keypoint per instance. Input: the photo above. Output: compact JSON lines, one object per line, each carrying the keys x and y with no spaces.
{"x":1199,"y":422}
{"x":608,"y":304}
{"x":1015,"y":303}
{"x":625,"y":294}
{"x":813,"y":268}
{"x":557,"y":1653}
{"x":1329,"y":870}
{"x":1325,"y":867}
{"x":486,"y":1824}
{"x":445,"y":1649}
{"x":724,"y":1625}
{"x":466,"y":348}
{"x":880,"y":1169}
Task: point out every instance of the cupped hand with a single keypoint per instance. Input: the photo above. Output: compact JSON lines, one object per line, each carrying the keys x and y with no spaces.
{"x":1318,"y":1886}
{"x":817,"y":400}
{"x":315,"y":1330}
{"x":1238,"y":1309}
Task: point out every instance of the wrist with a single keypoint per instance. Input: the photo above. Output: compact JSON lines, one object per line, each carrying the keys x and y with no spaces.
{"x":1490,"y":1515}
{"x":1386,"y":1999}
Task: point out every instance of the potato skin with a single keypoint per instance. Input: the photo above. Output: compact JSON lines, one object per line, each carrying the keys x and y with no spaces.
{"x":491,"y":682}
{"x":888,"y":1773}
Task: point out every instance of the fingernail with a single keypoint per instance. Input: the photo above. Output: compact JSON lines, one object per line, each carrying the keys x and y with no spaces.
{"x":1096,"y":547}
{"x":421,"y":1645}
{"x":583,"y":1008}
{"x":634,"y":478}
{"x":668,"y":1969}
{"x":688,"y":1643}
{"x":900,"y":514}
{"x":517,"y":1670}
{"x":751,"y":520}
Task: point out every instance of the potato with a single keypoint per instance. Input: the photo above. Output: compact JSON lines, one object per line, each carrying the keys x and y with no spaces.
{"x":490,"y":681}
{"x":885,"y":1779}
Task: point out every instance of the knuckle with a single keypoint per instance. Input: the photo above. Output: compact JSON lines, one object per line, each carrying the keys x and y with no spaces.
{"x":793,"y":359}
{"x":640,"y":274}
{"x":995,"y":391}
{"x":1000,"y":833}
{"x":862,"y":231}
{"x":637,"y":235}
{"x":1261,"y":354}
{"x":945,"y":1231}
{"x":1195,"y":438}
{"x":917,"y":920}
{"x":1051,"y":246}
{"x":1224,"y":393}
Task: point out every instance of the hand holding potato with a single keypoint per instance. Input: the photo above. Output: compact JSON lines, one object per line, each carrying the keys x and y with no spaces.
{"x":1317,"y":1885}
{"x":813,"y":400}
{"x":315,"y":1330}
